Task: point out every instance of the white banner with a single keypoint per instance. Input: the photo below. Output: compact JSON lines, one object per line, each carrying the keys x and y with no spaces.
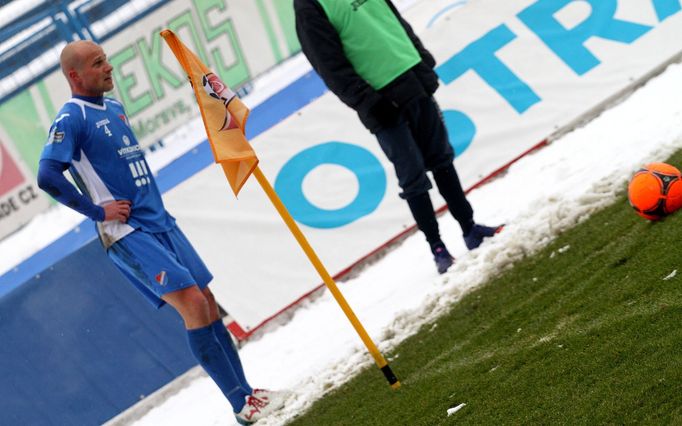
{"x":512,"y":73}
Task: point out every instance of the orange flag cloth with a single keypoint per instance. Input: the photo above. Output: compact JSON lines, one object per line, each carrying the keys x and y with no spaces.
{"x":224,"y":115}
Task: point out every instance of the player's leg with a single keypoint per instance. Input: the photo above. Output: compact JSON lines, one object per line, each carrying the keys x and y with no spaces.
{"x":255,"y":404}
{"x":438,"y":154}
{"x":259,"y":402}
{"x":225,"y":340}
{"x":264,"y":401}
{"x":177,"y":242}
{"x":400,"y":145}
{"x":192,"y":305}
{"x":438,"y":157}
{"x":450,"y":188}
{"x":161,"y":278}
{"x":401,"y":149}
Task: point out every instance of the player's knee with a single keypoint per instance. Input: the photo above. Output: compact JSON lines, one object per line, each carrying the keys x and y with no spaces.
{"x":208,"y":295}
{"x":189,"y":299}
{"x":441,"y":165}
{"x":212,"y":304}
{"x":416,"y":187}
{"x":196,"y":299}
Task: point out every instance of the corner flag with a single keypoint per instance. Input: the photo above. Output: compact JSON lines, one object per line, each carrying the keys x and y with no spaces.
{"x":224,"y":115}
{"x":224,"y":118}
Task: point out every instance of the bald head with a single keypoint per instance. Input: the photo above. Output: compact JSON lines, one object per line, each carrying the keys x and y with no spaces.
{"x":85,"y":67}
{"x":73,"y":55}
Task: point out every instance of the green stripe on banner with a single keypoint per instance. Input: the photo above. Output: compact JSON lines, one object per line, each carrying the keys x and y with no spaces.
{"x":285,"y":12}
{"x":20,"y":120}
{"x":272,"y":37}
{"x":47,"y":101}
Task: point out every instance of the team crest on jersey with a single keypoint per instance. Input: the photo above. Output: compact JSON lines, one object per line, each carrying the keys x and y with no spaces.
{"x":357,"y":3}
{"x":55,"y":136}
{"x":162,"y":278}
{"x":124,"y":119}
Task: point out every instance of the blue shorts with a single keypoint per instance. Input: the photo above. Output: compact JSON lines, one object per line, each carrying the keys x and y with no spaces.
{"x":159,"y":263}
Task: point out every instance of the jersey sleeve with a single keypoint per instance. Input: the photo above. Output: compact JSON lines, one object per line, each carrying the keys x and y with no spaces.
{"x":51,"y":180}
{"x":63,"y":139}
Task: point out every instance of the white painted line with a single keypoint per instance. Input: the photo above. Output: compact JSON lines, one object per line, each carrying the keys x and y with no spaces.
{"x":453,"y":410}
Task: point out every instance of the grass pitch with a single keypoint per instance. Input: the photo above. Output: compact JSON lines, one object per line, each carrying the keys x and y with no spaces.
{"x":588,"y":331}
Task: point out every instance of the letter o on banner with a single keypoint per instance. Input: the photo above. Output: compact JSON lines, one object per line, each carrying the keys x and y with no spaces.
{"x":362,"y":163}
{"x":461,"y":130}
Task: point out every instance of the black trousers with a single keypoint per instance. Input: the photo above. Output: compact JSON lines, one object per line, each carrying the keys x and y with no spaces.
{"x":417,"y":144}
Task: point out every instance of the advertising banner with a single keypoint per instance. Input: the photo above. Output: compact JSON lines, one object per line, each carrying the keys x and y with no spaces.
{"x":512,"y":74}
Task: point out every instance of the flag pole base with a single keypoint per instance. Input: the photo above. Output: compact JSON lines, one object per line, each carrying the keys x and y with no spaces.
{"x":392,"y":379}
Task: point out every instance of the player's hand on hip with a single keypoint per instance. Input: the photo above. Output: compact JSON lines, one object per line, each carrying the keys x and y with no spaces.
{"x":117,"y":210}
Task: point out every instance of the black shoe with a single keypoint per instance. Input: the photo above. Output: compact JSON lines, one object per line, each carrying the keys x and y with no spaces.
{"x":442,"y":257}
{"x":478,"y":232}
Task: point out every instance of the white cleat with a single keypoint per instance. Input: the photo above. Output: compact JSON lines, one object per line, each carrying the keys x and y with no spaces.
{"x":254,"y":410}
{"x":274,"y":398}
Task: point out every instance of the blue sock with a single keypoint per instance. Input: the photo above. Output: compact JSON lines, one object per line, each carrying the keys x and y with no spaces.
{"x":231,"y":351}
{"x":210,"y":354}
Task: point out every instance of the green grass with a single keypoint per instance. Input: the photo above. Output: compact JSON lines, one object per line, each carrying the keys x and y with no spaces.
{"x":592,"y":335}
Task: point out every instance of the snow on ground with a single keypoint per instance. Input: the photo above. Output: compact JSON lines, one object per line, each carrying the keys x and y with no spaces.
{"x":539,"y":197}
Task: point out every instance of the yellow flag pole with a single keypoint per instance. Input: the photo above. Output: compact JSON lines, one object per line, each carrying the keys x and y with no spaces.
{"x":328,"y":280}
{"x":182,"y":53}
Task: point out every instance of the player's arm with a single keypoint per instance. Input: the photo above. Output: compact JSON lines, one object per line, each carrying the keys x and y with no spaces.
{"x":51,"y":180}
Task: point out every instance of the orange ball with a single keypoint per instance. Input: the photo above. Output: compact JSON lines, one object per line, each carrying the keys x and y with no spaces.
{"x":655,"y":190}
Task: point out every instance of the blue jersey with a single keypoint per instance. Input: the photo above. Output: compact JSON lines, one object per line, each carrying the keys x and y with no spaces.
{"x":107,"y":164}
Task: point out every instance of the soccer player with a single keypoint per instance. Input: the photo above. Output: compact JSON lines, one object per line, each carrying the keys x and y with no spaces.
{"x":92,"y":138}
{"x":368,"y":55}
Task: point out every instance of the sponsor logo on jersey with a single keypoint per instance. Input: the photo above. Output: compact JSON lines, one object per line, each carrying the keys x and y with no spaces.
{"x":162,"y":278}
{"x":55,"y":136}
{"x":103,"y":123}
{"x":122,"y":152}
{"x":140,"y":172}
{"x":126,"y":140}
{"x":356,"y":4}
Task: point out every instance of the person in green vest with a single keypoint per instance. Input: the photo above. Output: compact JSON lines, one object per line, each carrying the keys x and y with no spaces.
{"x":370,"y":57}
